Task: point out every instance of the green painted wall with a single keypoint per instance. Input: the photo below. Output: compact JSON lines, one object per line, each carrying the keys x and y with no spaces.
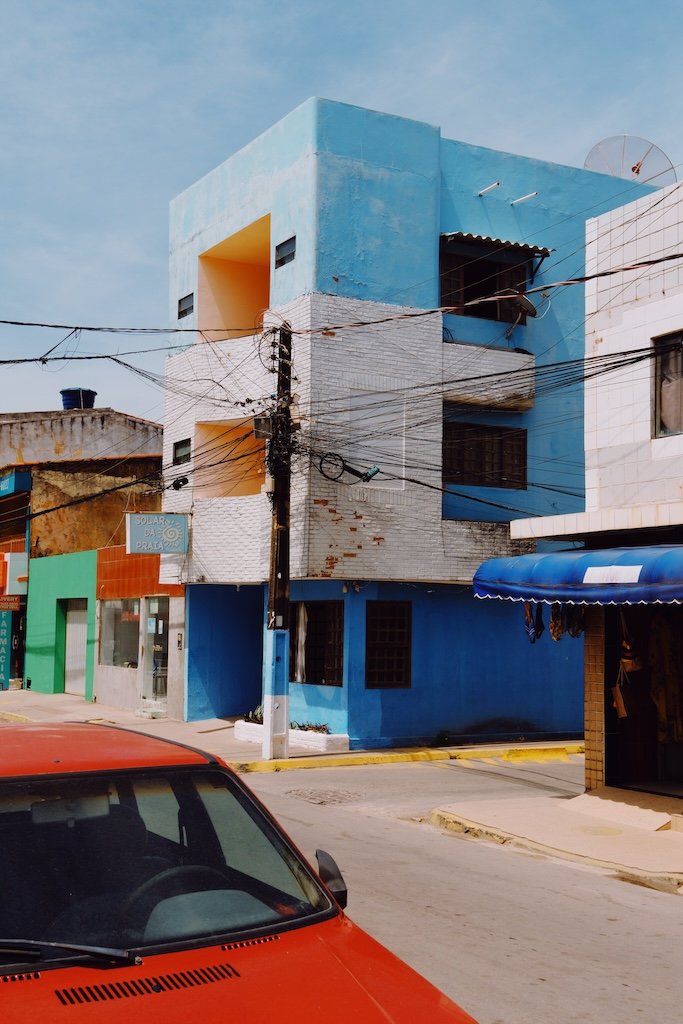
{"x":52,"y":582}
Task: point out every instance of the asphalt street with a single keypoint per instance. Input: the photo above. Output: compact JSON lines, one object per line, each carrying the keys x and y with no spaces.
{"x":514,"y":936}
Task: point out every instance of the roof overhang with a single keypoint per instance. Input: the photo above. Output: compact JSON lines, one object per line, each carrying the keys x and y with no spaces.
{"x":646,"y":575}
{"x":495,"y":243}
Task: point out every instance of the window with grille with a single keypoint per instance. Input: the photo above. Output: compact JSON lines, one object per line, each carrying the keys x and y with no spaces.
{"x":668,"y":411}
{"x":388,"y":644}
{"x":481,"y":455}
{"x":470,"y":273}
{"x":316,"y":653}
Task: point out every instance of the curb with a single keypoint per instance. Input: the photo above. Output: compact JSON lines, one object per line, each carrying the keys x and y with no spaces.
{"x":510,"y":754}
{"x":667,"y":882}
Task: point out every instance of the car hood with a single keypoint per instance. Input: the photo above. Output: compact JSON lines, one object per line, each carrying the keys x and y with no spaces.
{"x":332,"y":971}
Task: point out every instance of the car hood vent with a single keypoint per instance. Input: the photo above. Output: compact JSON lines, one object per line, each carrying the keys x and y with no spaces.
{"x":27,"y":976}
{"x":153,"y":986}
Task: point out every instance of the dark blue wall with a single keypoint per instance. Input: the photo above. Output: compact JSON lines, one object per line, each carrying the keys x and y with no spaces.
{"x":458,"y":641}
{"x":225,"y":650}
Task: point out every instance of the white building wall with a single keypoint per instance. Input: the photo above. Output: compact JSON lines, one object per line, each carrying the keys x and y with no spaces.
{"x":371,"y":393}
{"x":633,"y":479}
{"x":625,"y":464}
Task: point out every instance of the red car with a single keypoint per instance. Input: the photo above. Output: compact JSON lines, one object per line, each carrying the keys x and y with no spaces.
{"x":142,"y":881}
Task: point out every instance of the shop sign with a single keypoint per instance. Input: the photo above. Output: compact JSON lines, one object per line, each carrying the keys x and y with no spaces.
{"x":161,"y":533}
{"x":5,"y":648}
{"x":14,"y":573}
{"x":10,"y":602}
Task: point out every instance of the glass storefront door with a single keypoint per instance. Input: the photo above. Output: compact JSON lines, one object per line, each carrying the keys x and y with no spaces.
{"x":155,"y":645}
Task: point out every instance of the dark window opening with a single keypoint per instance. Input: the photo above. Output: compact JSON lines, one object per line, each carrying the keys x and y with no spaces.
{"x":185,"y":305}
{"x":317,"y":650}
{"x":668,"y":411}
{"x":182,"y":451}
{"x":470,"y":272}
{"x":285,"y":251}
{"x":388,"y":644}
{"x":484,"y":456}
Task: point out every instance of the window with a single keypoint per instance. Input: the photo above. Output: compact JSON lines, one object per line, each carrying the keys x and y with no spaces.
{"x":182,"y":451}
{"x":120,"y":633}
{"x":388,"y":635}
{"x":484,"y":456}
{"x":471,"y":271}
{"x":317,"y":651}
{"x":285,"y":252}
{"x":668,"y":385}
{"x":185,"y":305}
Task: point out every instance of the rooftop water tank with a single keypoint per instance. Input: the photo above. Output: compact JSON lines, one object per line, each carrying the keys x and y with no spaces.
{"x":78,"y":398}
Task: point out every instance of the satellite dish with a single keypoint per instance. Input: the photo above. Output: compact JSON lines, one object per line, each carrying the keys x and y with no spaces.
{"x":627,"y":156}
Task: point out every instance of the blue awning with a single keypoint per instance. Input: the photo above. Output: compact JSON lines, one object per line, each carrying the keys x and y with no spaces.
{"x":648,"y":575}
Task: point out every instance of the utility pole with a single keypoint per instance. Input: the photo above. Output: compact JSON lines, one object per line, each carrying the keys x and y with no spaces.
{"x":276,"y":644}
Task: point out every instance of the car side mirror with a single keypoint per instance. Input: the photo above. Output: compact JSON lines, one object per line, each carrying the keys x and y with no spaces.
{"x":332,"y":877}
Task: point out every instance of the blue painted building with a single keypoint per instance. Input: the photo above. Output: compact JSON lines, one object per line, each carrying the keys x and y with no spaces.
{"x":411,"y":269}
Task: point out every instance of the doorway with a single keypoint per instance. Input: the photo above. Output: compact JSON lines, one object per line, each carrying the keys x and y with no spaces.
{"x":76,"y":639}
{"x":644,"y":720}
{"x":155,"y":649}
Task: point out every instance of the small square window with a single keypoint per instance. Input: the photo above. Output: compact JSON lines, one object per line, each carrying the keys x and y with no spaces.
{"x":185,"y":305}
{"x":285,"y":252}
{"x":182,"y":451}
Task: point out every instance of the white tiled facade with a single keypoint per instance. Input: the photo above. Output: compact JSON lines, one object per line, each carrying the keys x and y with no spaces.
{"x":372,"y":394}
{"x":633,"y":479}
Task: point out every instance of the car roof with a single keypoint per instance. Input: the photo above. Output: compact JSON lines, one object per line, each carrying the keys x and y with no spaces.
{"x":28,"y":749}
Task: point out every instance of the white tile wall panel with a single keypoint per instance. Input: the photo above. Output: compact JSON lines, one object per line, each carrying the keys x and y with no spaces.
{"x":373,"y":396}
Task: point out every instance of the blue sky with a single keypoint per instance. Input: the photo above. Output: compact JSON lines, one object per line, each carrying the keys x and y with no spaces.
{"x":110,"y":108}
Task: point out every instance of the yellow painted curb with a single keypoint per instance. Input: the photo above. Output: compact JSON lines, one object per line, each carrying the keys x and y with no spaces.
{"x":519,"y":753}
{"x":560,"y":753}
{"x":9,"y":716}
{"x":340,"y":760}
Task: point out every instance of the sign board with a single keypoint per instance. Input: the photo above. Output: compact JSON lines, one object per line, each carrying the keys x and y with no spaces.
{"x":5,"y":648}
{"x":10,"y":603}
{"x":14,"y":572}
{"x":16,"y":480}
{"x":159,"y":533}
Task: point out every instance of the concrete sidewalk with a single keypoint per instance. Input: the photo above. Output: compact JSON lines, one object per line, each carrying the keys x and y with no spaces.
{"x":627,"y":833}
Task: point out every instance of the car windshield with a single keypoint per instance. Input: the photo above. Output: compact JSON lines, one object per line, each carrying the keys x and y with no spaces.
{"x":140,"y":859}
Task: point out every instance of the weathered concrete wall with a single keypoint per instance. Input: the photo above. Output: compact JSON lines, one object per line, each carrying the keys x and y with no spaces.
{"x":59,"y":527}
{"x":68,"y":436}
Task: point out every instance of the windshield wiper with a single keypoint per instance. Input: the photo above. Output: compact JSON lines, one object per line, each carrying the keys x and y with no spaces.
{"x":36,"y":947}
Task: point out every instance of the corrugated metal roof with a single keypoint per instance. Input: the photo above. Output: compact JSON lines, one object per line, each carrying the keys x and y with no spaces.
{"x":498,"y":243}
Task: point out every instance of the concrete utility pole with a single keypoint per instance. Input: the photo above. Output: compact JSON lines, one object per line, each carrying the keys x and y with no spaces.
{"x":276,"y":643}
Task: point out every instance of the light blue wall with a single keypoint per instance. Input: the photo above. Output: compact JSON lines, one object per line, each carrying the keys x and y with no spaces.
{"x":224,"y":650}
{"x":275,"y":174}
{"x":554,"y":219}
{"x":378,"y":205}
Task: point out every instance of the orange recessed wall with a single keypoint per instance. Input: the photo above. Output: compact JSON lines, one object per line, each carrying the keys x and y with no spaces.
{"x":122,"y":575}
